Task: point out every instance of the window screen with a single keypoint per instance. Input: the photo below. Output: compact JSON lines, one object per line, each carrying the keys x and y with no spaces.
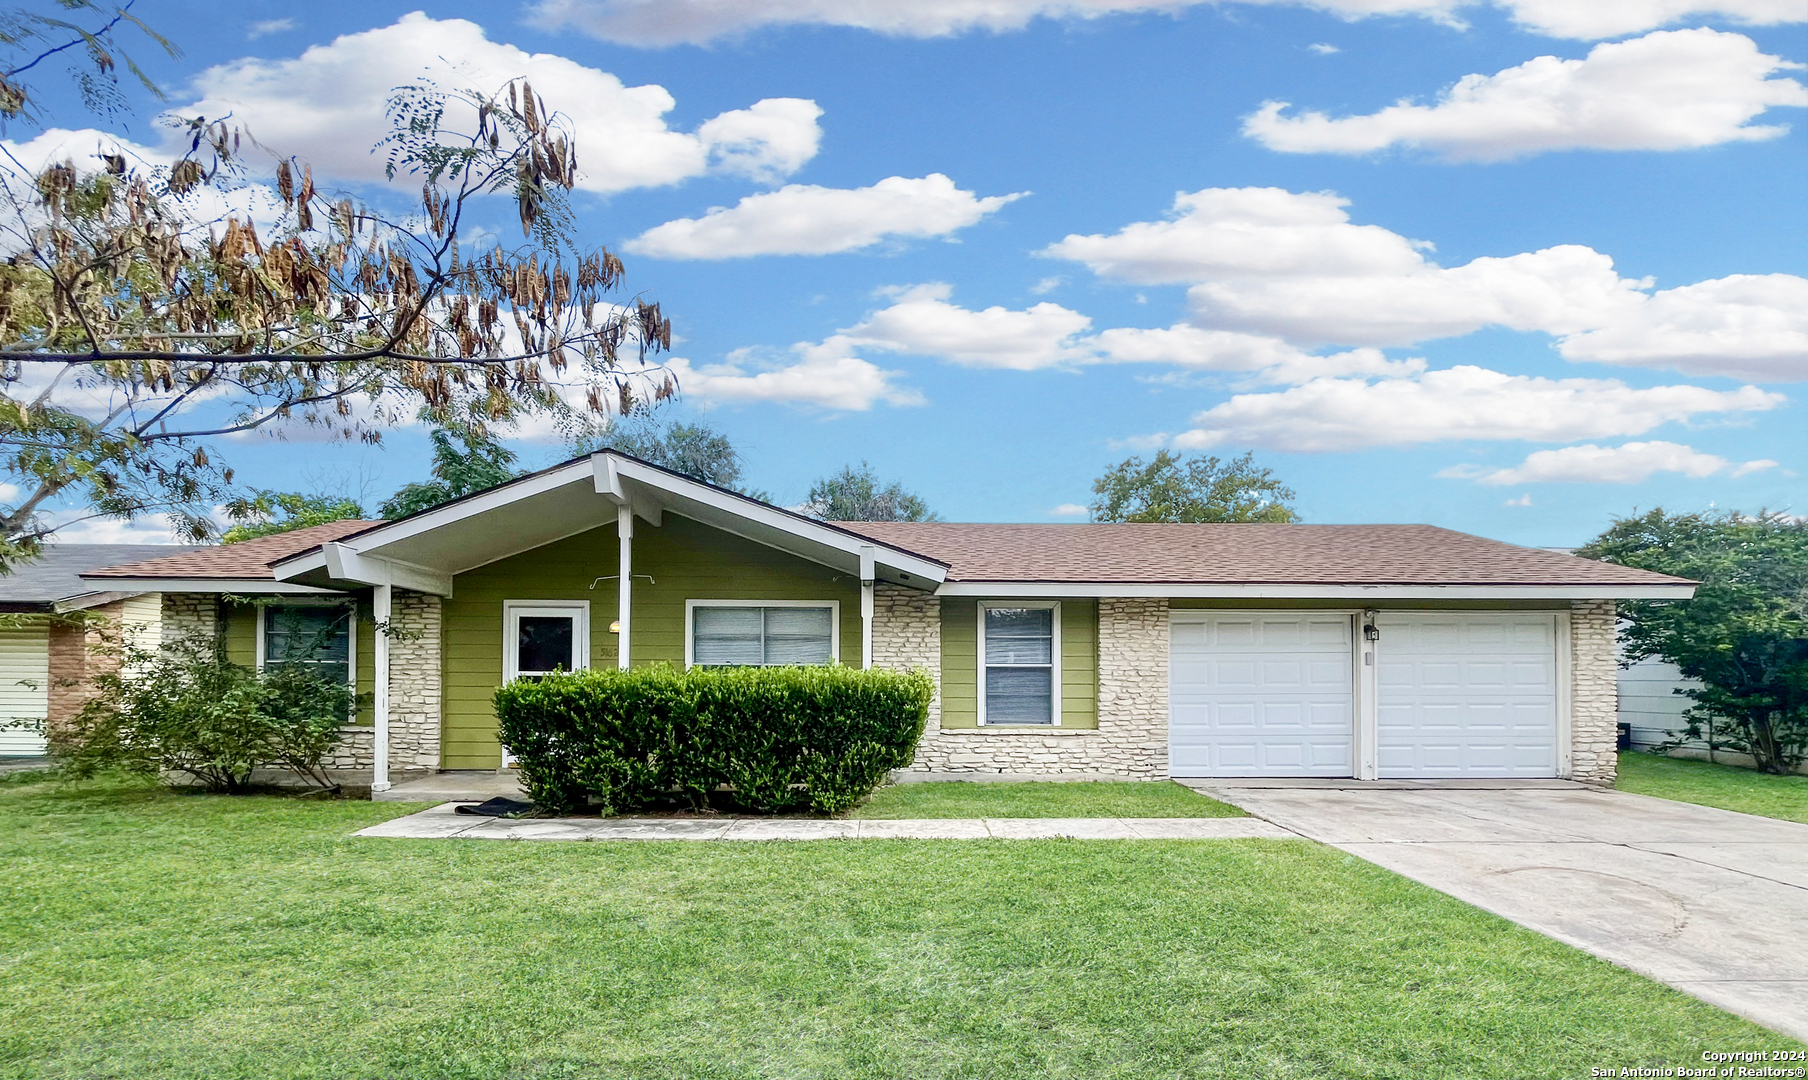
{"x":1020,"y":665}
{"x":761,"y":636}
{"x":318,"y":637}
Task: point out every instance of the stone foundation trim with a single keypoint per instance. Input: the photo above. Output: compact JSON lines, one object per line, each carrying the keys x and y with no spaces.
{"x":1003,"y":731}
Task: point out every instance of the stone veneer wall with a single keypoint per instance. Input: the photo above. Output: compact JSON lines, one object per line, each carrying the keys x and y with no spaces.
{"x":1131,"y":739}
{"x":187,"y":613}
{"x":414,"y":696}
{"x":1594,"y":691}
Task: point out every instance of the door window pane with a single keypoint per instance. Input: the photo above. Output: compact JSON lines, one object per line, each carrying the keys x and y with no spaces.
{"x":544,"y":643}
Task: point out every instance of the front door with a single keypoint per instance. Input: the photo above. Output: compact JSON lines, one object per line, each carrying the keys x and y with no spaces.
{"x":540,"y":637}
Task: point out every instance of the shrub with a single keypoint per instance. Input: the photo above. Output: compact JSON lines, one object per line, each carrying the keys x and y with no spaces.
{"x":783,"y":738}
{"x":187,"y":709}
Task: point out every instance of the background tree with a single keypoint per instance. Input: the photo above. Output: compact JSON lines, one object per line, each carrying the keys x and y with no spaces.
{"x":464,"y":461}
{"x":855,"y":495}
{"x":265,"y":513}
{"x":696,"y":450}
{"x":132,"y":332}
{"x":1745,"y":633}
{"x":1172,"y":488}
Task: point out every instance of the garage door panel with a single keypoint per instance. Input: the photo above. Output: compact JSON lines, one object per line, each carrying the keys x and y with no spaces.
{"x":1260,"y":695}
{"x":1469,"y":694}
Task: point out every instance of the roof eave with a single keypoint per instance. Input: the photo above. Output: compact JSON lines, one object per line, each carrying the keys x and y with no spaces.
{"x":1309,"y":591}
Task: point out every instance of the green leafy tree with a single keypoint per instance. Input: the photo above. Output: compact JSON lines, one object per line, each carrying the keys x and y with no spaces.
{"x":464,"y":461}
{"x":855,"y":494}
{"x":1745,"y":633}
{"x":696,"y":450}
{"x":1172,"y":488}
{"x":266,"y":513}
{"x":340,"y":315}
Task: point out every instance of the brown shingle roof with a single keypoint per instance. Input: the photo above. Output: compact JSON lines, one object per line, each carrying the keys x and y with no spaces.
{"x":246,"y":559}
{"x":1242,"y":553}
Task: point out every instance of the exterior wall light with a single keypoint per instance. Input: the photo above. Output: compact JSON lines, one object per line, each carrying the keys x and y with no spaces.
{"x":615,"y":627}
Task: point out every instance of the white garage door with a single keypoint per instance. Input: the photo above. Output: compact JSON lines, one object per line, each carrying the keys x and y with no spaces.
{"x":24,"y":689}
{"x":1466,"y":694}
{"x":1259,"y":694}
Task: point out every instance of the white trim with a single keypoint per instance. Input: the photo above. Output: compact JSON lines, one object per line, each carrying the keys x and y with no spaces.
{"x":1054,"y":645}
{"x":690,"y":636}
{"x":1362,"y":593}
{"x":580,"y":631}
{"x":381,"y":609}
{"x":1366,"y":658}
{"x":342,"y":563}
{"x":213,"y":585}
{"x":617,"y":478}
{"x":867,"y":606}
{"x":1566,"y":690}
{"x":624,"y":586}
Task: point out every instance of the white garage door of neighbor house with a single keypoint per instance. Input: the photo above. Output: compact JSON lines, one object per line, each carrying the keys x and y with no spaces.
{"x":1466,"y":694}
{"x":24,"y":689}
{"x":1260,"y":694}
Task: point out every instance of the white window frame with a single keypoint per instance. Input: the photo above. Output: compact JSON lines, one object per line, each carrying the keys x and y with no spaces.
{"x":351,"y":663}
{"x":690,"y":633}
{"x":1054,"y":659}
{"x":512,"y":610}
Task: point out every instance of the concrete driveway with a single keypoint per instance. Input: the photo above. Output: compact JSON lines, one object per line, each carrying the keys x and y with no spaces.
{"x":1711,"y":902}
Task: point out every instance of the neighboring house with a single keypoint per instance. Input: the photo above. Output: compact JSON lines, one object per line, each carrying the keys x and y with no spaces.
{"x":1649,"y":702}
{"x":51,"y":623}
{"x":1368,"y":651}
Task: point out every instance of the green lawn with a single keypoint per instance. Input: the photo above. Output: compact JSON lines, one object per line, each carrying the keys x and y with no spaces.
{"x":1081,"y":799}
{"x":144,"y":934}
{"x":1707,"y":784}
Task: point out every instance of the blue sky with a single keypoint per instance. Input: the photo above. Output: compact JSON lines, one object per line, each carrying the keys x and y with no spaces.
{"x":1634,"y":332}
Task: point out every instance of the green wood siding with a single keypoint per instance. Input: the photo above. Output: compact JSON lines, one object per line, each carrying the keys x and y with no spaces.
{"x":1079,"y":663}
{"x":686,"y":560}
{"x":239,"y":628}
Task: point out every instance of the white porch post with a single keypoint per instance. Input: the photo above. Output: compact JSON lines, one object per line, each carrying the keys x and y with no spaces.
{"x":381,"y":603}
{"x":1368,"y":724}
{"x":624,"y":526}
{"x":866,"y":607}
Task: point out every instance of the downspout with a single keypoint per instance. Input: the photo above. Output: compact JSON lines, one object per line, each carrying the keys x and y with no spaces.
{"x":381,"y":602}
{"x":866,"y":607}
{"x":624,"y":528}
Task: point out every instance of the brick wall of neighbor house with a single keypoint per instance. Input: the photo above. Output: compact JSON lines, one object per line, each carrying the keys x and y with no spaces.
{"x":1131,"y":739}
{"x":74,"y":660}
{"x":1595,"y":693}
{"x":414,"y":696}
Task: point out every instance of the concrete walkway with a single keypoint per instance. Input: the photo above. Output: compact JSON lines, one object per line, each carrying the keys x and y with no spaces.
{"x":441,"y":823}
{"x":1711,"y":902}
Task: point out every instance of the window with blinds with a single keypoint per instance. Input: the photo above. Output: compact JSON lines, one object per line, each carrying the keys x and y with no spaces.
{"x":1018,"y":648}
{"x":761,"y":636}
{"x":317,"y":637}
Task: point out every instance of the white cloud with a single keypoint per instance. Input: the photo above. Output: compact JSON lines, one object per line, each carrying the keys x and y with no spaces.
{"x":1047,"y":285}
{"x":1244,"y":232}
{"x":1630,"y":463}
{"x":270,"y":26}
{"x":1671,"y":90}
{"x":1280,"y":264}
{"x":803,"y":219}
{"x":1591,"y":20}
{"x":922,"y":322}
{"x":824,"y":376}
{"x":1271,"y":358}
{"x":1070,"y":510}
{"x":1752,"y":326}
{"x":1523,"y":500}
{"x":327,"y":107}
{"x":672,"y":22}
{"x":1324,"y":48}
{"x":82,"y":529}
{"x":1457,"y":403}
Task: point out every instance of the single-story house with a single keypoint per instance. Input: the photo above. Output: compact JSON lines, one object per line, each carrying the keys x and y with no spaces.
{"x":51,"y":622}
{"x":1364,"y":651}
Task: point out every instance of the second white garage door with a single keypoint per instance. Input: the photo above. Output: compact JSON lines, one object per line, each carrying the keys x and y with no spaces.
{"x":1259,"y":694}
{"x":1466,"y":694}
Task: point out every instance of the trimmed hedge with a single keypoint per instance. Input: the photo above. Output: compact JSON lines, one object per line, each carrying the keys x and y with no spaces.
{"x":784,"y":739}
